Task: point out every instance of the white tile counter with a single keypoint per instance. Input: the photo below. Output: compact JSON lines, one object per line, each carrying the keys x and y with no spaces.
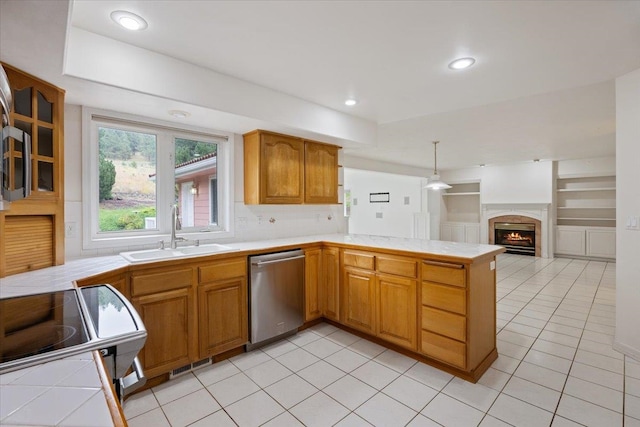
{"x":68,"y":392}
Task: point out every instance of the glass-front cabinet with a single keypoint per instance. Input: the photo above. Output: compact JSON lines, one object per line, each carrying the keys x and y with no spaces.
{"x":37,"y":109}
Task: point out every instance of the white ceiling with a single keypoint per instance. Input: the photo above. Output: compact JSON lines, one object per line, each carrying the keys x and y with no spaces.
{"x":542,"y":87}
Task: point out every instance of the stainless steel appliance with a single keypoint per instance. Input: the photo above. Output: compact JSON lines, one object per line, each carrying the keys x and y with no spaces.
{"x":39,"y":328}
{"x":276,"y":295}
{"x":10,"y":166}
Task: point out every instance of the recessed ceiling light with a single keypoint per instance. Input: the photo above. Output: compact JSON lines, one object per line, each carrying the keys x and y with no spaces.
{"x":462,"y":63}
{"x":350,"y":102}
{"x":179,"y":114}
{"x":129,"y":20}
{"x":482,"y":165}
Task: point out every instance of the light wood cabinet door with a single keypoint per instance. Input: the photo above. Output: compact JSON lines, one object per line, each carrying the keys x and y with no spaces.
{"x":38,"y":110}
{"x":321,"y":173}
{"x":222,"y":308}
{"x":331,"y":282}
{"x":168,"y":317}
{"x":397,"y":310}
{"x":273,"y":169}
{"x":313,"y":284}
{"x":359,"y":300}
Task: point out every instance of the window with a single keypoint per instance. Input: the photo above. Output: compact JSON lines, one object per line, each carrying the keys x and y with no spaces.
{"x":140,"y":168}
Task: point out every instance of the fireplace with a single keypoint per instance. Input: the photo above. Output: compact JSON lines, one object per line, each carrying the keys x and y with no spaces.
{"x":518,"y":238}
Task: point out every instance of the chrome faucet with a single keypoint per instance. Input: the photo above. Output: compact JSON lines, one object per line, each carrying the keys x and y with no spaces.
{"x":175,"y":225}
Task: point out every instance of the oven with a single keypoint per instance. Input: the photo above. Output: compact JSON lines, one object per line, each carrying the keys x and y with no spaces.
{"x":43,"y":327}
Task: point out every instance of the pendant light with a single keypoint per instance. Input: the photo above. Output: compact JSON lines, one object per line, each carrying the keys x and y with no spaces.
{"x":434,"y":180}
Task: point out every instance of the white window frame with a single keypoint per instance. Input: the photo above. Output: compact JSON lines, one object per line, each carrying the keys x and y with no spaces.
{"x":166,"y":133}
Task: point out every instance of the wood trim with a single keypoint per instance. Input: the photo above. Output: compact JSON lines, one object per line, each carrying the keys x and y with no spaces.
{"x":117,"y":414}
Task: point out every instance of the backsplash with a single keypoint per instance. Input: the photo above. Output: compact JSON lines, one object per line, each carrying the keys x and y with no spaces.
{"x":252,"y":222}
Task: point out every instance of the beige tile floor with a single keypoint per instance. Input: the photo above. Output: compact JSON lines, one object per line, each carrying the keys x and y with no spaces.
{"x":556,"y":368}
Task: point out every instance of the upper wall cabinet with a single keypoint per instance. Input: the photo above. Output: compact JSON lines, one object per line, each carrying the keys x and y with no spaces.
{"x":282,"y":169}
{"x":320,"y":173}
{"x":32,"y":229}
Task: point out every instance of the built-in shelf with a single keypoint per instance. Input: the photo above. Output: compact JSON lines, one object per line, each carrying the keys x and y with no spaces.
{"x":577,"y":190}
{"x":586,"y":201}
{"x":461,"y":208}
{"x":468,"y":193}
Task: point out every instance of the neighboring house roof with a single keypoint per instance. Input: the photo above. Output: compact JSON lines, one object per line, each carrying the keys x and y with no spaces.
{"x":194,"y":165}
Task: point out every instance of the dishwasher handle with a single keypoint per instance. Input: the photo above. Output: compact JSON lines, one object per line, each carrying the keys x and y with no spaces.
{"x":261,"y":263}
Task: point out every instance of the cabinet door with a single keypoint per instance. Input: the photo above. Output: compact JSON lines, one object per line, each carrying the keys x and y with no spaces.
{"x":458,"y":233}
{"x":222,"y":316}
{"x":281,"y":169}
{"x":472,"y":233}
{"x":359,"y":299}
{"x":446,"y":233}
{"x":313,"y":282}
{"x":570,"y":241}
{"x":167,"y":317}
{"x":601,"y":243}
{"x":397,"y":310}
{"x":331,"y":283}
{"x":321,"y":173}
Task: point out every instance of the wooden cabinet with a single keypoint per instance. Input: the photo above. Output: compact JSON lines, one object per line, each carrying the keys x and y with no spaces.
{"x":358,"y":299}
{"x":164,"y":298}
{"x":320,"y":173}
{"x":222,"y":306}
{"x":32,"y":229}
{"x":282,"y":169}
{"x":118,"y":280}
{"x":273,"y":169}
{"x":331,"y":283}
{"x":397,"y":314}
{"x":313,"y":284}
{"x":380,"y":296}
{"x":457,"y":315}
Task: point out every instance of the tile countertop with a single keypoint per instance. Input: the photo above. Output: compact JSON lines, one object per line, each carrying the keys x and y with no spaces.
{"x":67,"y":392}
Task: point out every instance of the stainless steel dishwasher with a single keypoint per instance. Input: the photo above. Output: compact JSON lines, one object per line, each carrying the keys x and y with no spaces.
{"x":276,"y":295}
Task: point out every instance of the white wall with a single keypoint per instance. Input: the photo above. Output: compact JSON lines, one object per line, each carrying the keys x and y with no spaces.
{"x":627,"y":338}
{"x":601,"y":166}
{"x":529,"y":182}
{"x":397,"y":217}
{"x":251,"y":222}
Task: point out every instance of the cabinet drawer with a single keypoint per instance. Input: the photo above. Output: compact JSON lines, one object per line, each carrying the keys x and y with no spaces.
{"x":448,"y":324}
{"x":398,"y":266}
{"x":359,"y":259}
{"x":443,"y":272}
{"x":222,"y":270}
{"x":444,"y":297}
{"x":159,"y":282}
{"x":445,"y":349}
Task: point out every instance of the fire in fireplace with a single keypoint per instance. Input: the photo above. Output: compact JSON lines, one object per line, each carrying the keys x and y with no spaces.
{"x":517,"y":238}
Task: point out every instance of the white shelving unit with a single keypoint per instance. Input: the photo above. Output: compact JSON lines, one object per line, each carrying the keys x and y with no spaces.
{"x":460,"y":210}
{"x":586,"y":216}
{"x":589,"y":201}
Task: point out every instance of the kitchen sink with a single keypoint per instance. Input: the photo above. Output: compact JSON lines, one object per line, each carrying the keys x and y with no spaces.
{"x":160,"y":254}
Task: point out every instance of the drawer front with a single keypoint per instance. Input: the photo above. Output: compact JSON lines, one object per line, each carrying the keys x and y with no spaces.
{"x":444,"y":349}
{"x":359,"y":260}
{"x":444,"y":297}
{"x":444,"y":323}
{"x":398,"y":266}
{"x":442,"y":272}
{"x":222,"y":270}
{"x":145,"y":284}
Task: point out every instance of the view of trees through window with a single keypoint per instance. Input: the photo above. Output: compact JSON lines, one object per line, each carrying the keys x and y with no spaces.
{"x":127,"y":167}
{"x":127,"y":178}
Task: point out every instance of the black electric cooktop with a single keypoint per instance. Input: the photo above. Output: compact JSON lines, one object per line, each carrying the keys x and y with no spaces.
{"x":37,"y":324}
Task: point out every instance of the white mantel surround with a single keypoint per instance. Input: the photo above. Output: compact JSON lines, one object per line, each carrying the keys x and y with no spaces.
{"x":539,"y":211}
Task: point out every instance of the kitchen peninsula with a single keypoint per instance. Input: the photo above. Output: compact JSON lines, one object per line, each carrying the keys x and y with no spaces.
{"x":433,"y":300}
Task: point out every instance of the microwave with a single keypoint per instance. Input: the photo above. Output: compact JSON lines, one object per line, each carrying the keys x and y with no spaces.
{"x":12,"y":166}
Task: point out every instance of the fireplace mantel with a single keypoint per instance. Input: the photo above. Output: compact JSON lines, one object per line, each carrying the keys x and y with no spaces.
{"x":537,"y":211}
